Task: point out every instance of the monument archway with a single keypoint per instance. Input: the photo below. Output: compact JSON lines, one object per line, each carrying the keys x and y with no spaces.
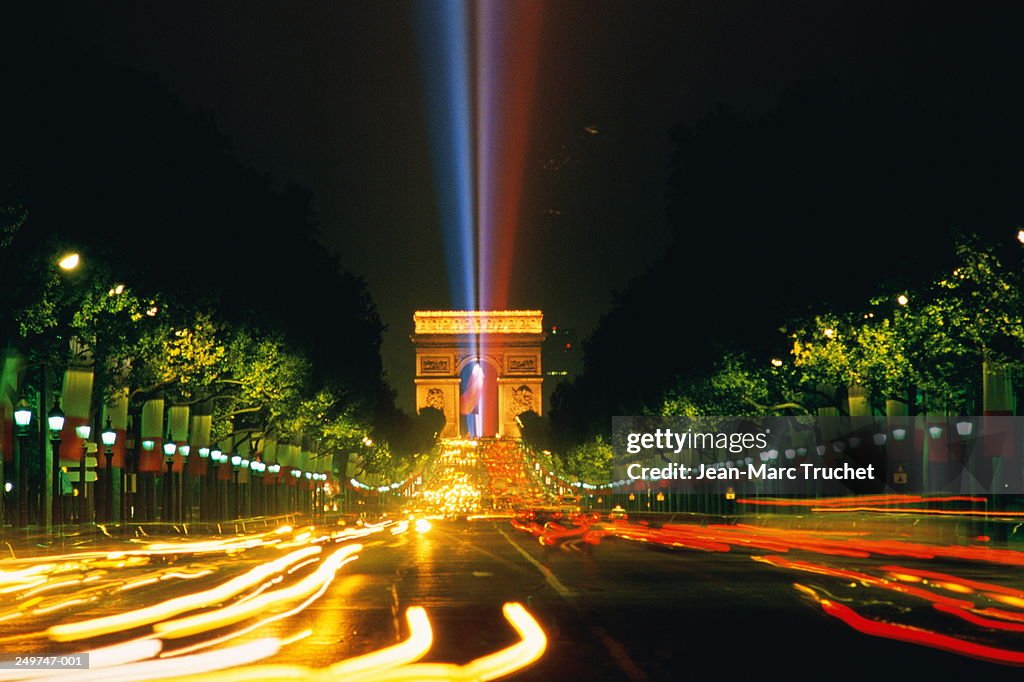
{"x":482,"y":368}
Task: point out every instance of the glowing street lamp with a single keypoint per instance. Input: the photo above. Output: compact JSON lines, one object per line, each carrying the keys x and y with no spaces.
{"x":23,"y":421}
{"x":169,"y":449}
{"x":236,"y":463}
{"x":69,"y":262}
{"x":216,"y":459}
{"x":83,"y":431}
{"x":22,"y":414}
{"x":55,"y":420}
{"x":108,"y":437}
{"x":186,"y":513}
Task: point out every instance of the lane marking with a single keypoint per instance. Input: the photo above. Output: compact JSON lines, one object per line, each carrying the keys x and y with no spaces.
{"x":619,"y":654}
{"x":553,"y":580}
{"x":491,"y":555}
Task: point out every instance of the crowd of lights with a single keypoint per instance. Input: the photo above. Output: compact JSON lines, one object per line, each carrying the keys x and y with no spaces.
{"x":471,"y":477}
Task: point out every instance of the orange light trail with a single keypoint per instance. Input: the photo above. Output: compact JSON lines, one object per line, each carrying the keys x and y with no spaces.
{"x":915,"y":635}
{"x":855,"y":501}
{"x":397,"y":663}
{"x":923,"y":510}
{"x":103,"y":625}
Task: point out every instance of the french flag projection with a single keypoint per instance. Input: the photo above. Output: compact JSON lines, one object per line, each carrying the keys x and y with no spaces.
{"x":199,"y":437}
{"x":10,"y":366}
{"x":470,"y":402}
{"x":151,"y":458}
{"x":270,"y":457}
{"x":177,"y":428}
{"x":287,"y":457}
{"x":478,"y":401}
{"x":224,"y":470}
{"x":243,"y":448}
{"x":76,"y":399}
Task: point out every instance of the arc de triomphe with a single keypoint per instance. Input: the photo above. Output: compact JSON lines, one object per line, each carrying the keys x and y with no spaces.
{"x":482,"y":368}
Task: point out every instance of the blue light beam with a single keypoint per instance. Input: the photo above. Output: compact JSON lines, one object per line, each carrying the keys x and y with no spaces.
{"x":444,"y":45}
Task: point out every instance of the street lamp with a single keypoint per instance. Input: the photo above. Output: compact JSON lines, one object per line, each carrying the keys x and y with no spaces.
{"x":293,"y":495}
{"x":55,"y":420}
{"x":259,"y":489}
{"x":204,"y":483}
{"x":169,"y":449}
{"x":22,"y":414}
{"x":23,"y":421}
{"x":69,"y":262}
{"x":186,"y":513}
{"x":274,"y":470}
{"x":109,"y":437}
{"x":83,"y":431}
{"x":216,"y":459}
{"x":236,"y":462}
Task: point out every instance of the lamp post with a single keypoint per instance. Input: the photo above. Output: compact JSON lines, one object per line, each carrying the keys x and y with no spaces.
{"x":248,"y":491}
{"x":55,"y":421}
{"x":323,"y":495}
{"x":186,"y":512}
{"x":83,"y":431}
{"x":275,"y":470}
{"x":204,"y":484}
{"x":309,"y":493}
{"x":109,"y":437}
{"x":256,"y":483}
{"x":236,"y":463}
{"x":293,"y":496}
{"x":147,"y":504}
{"x":216,"y":459}
{"x":23,"y":421}
{"x":169,"y":449}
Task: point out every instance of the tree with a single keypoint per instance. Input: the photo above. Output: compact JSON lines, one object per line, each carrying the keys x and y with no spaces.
{"x":534,"y":430}
{"x":590,"y":461}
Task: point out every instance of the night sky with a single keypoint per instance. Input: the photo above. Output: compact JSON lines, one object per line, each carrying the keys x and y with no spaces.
{"x":330,"y":95}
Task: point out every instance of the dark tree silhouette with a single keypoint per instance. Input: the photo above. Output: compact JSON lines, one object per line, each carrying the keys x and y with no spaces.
{"x":831,"y":198}
{"x":105,"y":160}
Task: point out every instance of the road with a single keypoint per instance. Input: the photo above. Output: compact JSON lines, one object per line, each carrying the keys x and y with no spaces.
{"x":627,"y":609}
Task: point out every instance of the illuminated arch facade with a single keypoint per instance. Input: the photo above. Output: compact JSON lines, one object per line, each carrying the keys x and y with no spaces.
{"x":480,"y":367}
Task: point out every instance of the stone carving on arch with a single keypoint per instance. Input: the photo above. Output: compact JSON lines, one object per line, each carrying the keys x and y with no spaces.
{"x":522,"y":400}
{"x":435,"y":398}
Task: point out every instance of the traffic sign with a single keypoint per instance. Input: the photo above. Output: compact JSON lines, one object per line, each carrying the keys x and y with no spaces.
{"x":72,"y":467}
